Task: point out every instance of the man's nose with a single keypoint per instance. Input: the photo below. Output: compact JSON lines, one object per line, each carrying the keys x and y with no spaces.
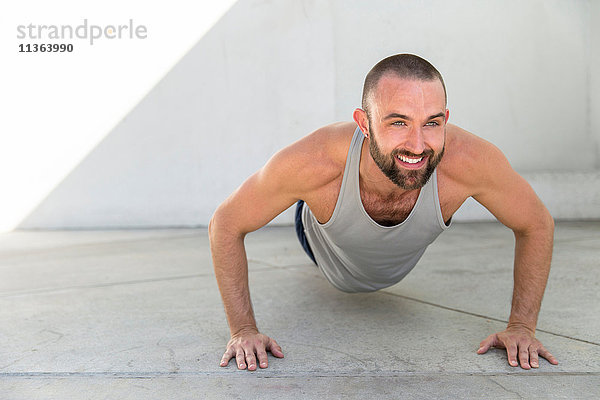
{"x":414,"y":143}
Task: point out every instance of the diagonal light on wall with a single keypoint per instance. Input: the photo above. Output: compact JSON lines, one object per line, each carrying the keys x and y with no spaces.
{"x":58,"y":107}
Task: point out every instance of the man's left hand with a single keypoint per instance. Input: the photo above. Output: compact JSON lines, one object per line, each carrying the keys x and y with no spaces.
{"x":521,"y":342}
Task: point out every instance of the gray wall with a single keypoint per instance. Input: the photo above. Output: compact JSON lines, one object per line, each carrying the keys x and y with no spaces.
{"x":594,"y":77}
{"x":519,"y":73}
{"x":516,"y":71}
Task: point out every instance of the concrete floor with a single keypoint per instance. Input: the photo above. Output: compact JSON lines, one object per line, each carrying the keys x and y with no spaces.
{"x":137,"y":315}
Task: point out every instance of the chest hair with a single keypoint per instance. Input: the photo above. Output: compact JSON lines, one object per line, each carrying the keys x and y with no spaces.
{"x":389,"y":210}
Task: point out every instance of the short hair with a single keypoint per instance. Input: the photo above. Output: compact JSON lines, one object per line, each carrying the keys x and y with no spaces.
{"x":404,"y":66}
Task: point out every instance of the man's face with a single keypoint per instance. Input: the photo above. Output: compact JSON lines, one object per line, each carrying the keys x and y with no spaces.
{"x":407,"y":125}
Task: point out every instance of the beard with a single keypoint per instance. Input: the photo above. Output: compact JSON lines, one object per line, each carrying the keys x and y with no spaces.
{"x":405,"y":179}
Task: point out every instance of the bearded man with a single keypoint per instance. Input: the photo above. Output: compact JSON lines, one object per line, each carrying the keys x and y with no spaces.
{"x":371,"y":196}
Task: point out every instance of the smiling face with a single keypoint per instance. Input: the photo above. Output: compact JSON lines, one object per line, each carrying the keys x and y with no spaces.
{"x":406,"y":123}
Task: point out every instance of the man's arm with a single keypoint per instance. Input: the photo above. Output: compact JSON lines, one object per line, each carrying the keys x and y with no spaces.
{"x":512,"y":200}
{"x":257,"y":201}
{"x":287,"y":177}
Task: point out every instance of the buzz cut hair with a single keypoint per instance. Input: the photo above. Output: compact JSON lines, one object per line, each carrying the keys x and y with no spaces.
{"x":407,"y":66}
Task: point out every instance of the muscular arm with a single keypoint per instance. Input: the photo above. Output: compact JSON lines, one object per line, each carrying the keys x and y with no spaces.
{"x":251,"y":206}
{"x":257,"y":201}
{"x":288,"y":176}
{"x":533,"y":253}
{"x":510,"y":198}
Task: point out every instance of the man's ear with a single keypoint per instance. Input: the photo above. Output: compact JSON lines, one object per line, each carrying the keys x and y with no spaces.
{"x":360,"y":117}
{"x":447,"y":115}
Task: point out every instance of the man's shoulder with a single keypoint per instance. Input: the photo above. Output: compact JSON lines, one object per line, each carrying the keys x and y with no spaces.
{"x":331,"y":140}
{"x":468,"y":158}
{"x":316,"y":159}
{"x":461,"y":143}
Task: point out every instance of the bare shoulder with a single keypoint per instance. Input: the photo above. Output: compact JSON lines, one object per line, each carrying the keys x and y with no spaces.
{"x":469,"y":159}
{"x":478,"y":169}
{"x":315,"y":160}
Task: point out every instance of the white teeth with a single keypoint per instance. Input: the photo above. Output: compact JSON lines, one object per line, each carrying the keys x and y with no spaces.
{"x":410,"y":160}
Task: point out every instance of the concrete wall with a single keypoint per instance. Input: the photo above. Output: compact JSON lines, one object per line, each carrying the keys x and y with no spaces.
{"x":516,"y":71}
{"x":57,"y":107}
{"x":518,"y":74}
{"x":594,"y":77}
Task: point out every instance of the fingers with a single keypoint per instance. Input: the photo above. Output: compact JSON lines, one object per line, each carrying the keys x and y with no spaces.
{"x":522,"y":348}
{"x":263,"y":360}
{"x":275,"y":349}
{"x":524,"y":356}
{"x":250,"y":358}
{"x":246,"y":353}
{"x":261,"y":353}
{"x":533,"y":357}
{"x":487,"y":343}
{"x":528,"y":354}
{"x":239,"y":358}
{"x":511,"y":351}
{"x":546,"y":354}
{"x":226,"y":357}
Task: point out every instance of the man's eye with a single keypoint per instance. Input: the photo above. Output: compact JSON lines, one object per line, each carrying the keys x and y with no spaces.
{"x":432,"y":123}
{"x":401,"y":123}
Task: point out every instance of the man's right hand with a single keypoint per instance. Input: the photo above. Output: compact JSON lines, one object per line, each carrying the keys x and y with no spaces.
{"x":248,"y":345}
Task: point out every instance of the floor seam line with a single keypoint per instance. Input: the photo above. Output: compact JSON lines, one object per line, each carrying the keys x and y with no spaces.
{"x":93,"y":244}
{"x":484,"y":317}
{"x":237,"y":374}
{"x":265,"y":267}
{"x":95,"y":286}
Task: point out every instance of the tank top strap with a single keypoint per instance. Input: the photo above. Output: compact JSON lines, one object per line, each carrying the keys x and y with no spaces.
{"x":352,"y":171}
{"x":355,"y":150}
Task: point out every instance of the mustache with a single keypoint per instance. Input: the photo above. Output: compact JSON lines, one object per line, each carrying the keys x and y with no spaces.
{"x":401,"y":152}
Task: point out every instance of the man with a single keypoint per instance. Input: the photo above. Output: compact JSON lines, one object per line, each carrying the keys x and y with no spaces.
{"x":372,"y":195}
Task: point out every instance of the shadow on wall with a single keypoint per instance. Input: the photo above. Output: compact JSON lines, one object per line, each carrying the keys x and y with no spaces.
{"x":214,"y":119}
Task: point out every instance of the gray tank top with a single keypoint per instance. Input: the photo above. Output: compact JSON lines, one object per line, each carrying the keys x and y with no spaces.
{"x":355,"y":253}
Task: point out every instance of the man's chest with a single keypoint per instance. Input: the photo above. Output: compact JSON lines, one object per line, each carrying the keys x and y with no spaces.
{"x":387,"y":210}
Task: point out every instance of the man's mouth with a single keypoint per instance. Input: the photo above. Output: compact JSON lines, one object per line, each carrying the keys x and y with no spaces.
{"x":411,"y":162}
